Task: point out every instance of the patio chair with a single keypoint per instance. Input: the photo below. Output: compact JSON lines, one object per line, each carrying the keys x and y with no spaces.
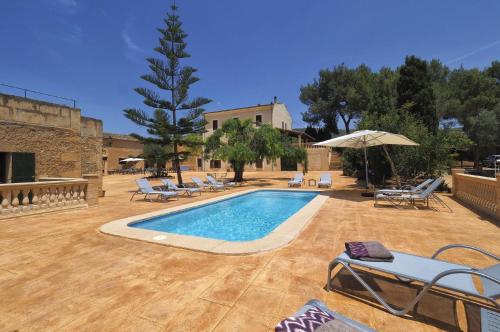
{"x":202,"y":185}
{"x":397,"y":198}
{"x":405,"y":189}
{"x":447,"y":277}
{"x":214,"y":182}
{"x":325,"y":180}
{"x":146,"y":189}
{"x":172,"y":186}
{"x":297,"y":180}
{"x":351,"y":323}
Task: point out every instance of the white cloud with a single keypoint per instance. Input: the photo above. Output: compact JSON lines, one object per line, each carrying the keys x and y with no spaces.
{"x":69,"y":6}
{"x":474,"y":52}
{"x":131,"y":45}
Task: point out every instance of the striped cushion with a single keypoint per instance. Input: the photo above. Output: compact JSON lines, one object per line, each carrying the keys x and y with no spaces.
{"x":307,"y":322}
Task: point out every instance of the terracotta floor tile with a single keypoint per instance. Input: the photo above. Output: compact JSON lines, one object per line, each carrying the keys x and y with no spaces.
{"x":58,"y":272}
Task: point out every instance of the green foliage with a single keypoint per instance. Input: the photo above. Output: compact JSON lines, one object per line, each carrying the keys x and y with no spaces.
{"x":240,"y":143}
{"x":341,"y":93}
{"x":431,"y":158}
{"x":415,"y":91}
{"x":157,"y":155}
{"x":319,"y":134}
{"x":168,"y":75}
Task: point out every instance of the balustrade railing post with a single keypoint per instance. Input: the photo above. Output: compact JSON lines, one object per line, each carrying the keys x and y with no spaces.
{"x":455,"y":180}
{"x":497,"y":212}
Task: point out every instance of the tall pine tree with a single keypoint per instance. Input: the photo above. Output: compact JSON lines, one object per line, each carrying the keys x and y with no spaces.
{"x":415,"y":92}
{"x":166,"y":126}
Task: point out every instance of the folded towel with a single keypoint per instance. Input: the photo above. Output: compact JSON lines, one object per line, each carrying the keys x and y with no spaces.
{"x":307,"y":322}
{"x":368,"y":251}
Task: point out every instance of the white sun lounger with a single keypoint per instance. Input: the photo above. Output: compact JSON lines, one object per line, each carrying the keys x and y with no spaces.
{"x":203,"y":185}
{"x":146,"y":189}
{"x":325,"y":180}
{"x":214,"y":182}
{"x":397,"y":198}
{"x":172,"y":186}
{"x":405,"y":189}
{"x":316,"y":303}
{"x":431,"y":272}
{"x":297,"y":180}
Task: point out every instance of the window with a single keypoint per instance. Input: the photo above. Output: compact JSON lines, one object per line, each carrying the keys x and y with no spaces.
{"x":215,"y":164}
{"x":215,"y":124}
{"x":286,"y":125}
{"x":282,"y":125}
{"x":258,"y":119}
{"x":235,"y":117}
{"x":258,"y":163}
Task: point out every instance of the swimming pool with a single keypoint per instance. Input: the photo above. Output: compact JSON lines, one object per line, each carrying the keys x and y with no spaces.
{"x":238,"y":223}
{"x":246,"y":217}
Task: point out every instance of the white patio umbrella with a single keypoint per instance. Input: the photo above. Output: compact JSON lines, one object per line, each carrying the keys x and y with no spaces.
{"x":129,"y":160}
{"x":363,"y":139}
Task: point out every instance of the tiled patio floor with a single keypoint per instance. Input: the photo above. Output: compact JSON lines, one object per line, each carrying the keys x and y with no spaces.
{"x":58,"y":272}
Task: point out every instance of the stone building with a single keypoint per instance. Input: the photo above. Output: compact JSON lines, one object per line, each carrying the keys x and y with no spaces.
{"x":117,"y":147}
{"x":40,"y":139}
{"x":50,"y":157}
{"x":277,"y":115}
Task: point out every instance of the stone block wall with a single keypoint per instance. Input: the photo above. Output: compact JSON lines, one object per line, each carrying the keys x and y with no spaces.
{"x":65,"y":144}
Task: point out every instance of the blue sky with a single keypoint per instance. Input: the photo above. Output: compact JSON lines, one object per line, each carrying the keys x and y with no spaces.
{"x":246,"y":51}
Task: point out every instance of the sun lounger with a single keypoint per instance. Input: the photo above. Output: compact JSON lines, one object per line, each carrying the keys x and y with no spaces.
{"x":214,"y":182}
{"x":202,"y":185}
{"x":431,"y":272}
{"x":146,"y":189}
{"x":405,"y":189}
{"x":352,"y":324}
{"x":172,"y":186}
{"x":397,"y":198}
{"x":325,"y":180}
{"x":297,"y":180}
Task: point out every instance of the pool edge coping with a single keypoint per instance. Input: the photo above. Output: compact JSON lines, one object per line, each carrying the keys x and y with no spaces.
{"x":277,"y":238}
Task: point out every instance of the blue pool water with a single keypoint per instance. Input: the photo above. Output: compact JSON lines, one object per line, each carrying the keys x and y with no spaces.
{"x":242,"y":218}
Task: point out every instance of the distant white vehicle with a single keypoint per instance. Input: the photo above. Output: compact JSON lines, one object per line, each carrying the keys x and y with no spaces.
{"x":492,"y":161}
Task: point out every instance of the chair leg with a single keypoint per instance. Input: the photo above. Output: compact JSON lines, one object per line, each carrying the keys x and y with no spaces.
{"x":388,"y":307}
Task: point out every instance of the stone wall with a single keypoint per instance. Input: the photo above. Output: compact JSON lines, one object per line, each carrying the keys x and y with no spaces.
{"x":65,"y":144}
{"x":116,"y":147}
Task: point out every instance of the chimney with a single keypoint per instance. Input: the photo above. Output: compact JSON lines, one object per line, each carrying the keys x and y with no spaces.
{"x":275,"y":100}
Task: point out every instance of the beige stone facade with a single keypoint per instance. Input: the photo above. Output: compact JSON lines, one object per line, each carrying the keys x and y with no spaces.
{"x":117,"y":147}
{"x":277,"y":115}
{"x":65,"y":144}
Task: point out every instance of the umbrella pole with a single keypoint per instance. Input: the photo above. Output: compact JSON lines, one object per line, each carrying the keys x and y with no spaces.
{"x":366,"y":170}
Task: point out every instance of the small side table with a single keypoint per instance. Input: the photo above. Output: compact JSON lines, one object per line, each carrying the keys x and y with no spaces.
{"x":313,"y":181}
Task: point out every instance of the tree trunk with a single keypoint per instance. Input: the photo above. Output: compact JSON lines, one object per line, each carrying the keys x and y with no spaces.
{"x":476,"y":156}
{"x":238,"y":173}
{"x":176,"y":164}
{"x":346,"y":121}
{"x":393,"y":168}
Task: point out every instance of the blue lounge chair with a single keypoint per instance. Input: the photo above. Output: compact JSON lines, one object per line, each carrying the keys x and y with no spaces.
{"x":431,"y":272}
{"x":202,"y":185}
{"x":172,"y":186}
{"x":146,"y":189}
{"x":405,"y":189}
{"x":297,"y":180}
{"x":214,"y":182}
{"x":325,"y":180}
{"x":316,"y":303}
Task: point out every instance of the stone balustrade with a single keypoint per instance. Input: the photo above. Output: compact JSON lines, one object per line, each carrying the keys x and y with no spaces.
{"x":478,"y":192}
{"x":19,"y":199}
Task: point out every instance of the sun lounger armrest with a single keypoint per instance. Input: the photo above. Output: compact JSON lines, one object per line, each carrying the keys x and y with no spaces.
{"x":464,"y":246}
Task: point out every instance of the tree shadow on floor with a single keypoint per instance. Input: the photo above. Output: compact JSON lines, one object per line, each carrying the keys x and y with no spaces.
{"x":436,"y":309}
